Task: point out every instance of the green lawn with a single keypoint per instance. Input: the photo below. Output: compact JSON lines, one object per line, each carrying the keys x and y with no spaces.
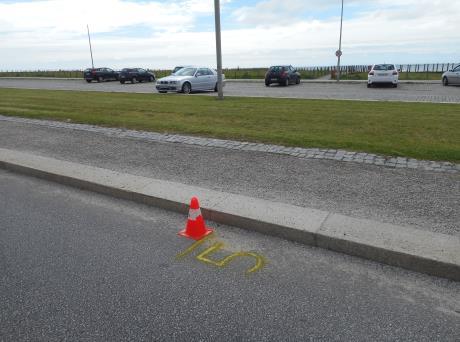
{"x":419,"y":130}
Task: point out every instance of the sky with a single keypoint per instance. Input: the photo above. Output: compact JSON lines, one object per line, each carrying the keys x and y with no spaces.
{"x":159,"y":34}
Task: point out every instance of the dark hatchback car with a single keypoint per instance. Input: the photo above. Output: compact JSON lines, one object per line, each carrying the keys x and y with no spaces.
{"x":134,"y":75}
{"x":283,"y":75}
{"x":100,"y":75}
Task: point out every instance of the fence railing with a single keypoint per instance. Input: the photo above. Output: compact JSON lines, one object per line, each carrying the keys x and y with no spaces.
{"x":432,"y":67}
{"x":307,"y":72}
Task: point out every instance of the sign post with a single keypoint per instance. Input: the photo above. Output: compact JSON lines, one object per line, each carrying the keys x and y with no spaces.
{"x":338,"y":53}
{"x":90,"y":48}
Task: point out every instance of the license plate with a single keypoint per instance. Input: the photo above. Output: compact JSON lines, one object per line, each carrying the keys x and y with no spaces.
{"x":381,"y":74}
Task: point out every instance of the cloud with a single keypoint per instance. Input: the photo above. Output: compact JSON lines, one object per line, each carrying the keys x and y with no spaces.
{"x":52,"y":33}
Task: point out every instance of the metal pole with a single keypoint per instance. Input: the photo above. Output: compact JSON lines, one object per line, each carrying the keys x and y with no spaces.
{"x":340,"y":46}
{"x":90,"y":48}
{"x":218,"y":50}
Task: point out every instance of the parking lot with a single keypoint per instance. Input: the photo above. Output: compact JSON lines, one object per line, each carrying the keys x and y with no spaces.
{"x":412,"y":92}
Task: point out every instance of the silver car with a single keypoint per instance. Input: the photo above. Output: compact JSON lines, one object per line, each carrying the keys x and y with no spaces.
{"x":189,"y":79}
{"x":451,"y":76}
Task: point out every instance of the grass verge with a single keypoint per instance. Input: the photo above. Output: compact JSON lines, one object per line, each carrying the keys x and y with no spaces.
{"x":418,"y":130}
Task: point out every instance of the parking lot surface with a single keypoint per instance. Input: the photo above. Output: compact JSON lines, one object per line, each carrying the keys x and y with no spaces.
{"x":412,"y":92}
{"x":80,"y":266}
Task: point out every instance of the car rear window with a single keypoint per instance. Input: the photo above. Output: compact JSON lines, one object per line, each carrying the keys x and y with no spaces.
{"x":127,"y":70}
{"x":384,"y":67}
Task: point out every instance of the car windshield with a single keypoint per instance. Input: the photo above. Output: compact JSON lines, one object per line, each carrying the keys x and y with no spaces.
{"x":384,"y":67}
{"x":277,"y":68}
{"x":186,"y":72}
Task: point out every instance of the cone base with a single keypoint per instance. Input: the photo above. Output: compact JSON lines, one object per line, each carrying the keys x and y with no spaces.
{"x":185,"y":234}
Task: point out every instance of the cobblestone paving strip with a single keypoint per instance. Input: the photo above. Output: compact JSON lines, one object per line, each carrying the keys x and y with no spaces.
{"x":298,"y":152}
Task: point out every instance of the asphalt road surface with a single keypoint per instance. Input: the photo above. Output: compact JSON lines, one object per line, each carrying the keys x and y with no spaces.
{"x":80,"y":266}
{"x":431,"y":92}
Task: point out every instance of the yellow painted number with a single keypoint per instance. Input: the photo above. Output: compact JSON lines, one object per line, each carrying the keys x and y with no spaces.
{"x":204,"y":256}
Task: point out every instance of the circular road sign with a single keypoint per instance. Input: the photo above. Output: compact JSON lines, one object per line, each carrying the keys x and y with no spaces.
{"x":338,"y":53}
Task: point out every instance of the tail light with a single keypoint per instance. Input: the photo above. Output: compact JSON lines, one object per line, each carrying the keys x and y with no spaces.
{"x":395,"y":73}
{"x":371,"y":73}
{"x":284,"y":74}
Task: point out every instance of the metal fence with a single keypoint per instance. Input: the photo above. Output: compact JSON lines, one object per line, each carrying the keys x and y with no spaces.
{"x":348,"y":69}
{"x":308,"y":72}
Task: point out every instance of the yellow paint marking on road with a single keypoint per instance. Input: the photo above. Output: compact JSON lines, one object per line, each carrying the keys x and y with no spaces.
{"x":204,"y":256}
{"x":194,"y":246}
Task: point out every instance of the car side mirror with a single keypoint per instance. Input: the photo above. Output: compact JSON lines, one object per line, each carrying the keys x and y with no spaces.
{"x":399,"y":70}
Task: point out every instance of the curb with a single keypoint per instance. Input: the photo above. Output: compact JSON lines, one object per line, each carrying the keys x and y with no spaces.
{"x":417,"y":250}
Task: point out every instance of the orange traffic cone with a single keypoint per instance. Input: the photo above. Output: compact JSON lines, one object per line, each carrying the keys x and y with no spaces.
{"x":195,"y":228}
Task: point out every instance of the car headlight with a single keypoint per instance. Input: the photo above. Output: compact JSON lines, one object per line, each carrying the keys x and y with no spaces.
{"x":172,"y":82}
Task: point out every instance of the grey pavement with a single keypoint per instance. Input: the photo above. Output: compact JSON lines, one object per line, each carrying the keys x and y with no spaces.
{"x":410,"y":92}
{"x":80,"y":266}
{"x":424,"y":199}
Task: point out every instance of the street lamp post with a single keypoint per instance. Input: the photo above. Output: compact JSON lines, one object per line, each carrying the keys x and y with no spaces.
{"x":339,"y":51}
{"x":90,"y":48}
{"x":218,"y":49}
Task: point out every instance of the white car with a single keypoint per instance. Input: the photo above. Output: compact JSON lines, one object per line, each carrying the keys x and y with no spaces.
{"x":383,"y":73}
{"x":452,"y":76}
{"x":189,"y":79}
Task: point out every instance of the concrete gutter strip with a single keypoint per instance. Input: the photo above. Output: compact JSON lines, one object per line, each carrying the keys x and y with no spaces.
{"x":410,"y":248}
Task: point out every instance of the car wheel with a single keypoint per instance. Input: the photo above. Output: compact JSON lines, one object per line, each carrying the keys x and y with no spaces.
{"x":133,"y":80}
{"x":286,"y":82}
{"x":297,"y":81}
{"x":100,"y":79}
{"x":162,"y":91}
{"x":186,"y":88}
{"x":395,"y":85}
{"x":369,"y":85}
{"x":151,"y":79}
{"x":267,"y":83}
{"x":445,"y":81}
{"x":89,"y":81}
{"x":216,"y":88}
{"x":122,"y":82}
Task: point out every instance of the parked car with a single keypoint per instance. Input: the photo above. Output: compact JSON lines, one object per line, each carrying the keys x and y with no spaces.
{"x":100,"y":75}
{"x":383,"y":74}
{"x":282,"y":74}
{"x":134,"y":75}
{"x":189,"y":79}
{"x":451,"y":76}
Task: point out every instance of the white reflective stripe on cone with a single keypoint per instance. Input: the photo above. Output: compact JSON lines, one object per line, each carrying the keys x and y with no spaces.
{"x":193,"y":214}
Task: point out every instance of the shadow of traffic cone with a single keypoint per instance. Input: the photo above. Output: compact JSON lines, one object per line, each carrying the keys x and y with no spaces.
{"x":195,"y":228}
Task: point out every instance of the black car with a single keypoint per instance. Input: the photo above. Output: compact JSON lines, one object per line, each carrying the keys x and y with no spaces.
{"x":282,"y":74}
{"x":100,"y":75}
{"x":134,"y":75}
